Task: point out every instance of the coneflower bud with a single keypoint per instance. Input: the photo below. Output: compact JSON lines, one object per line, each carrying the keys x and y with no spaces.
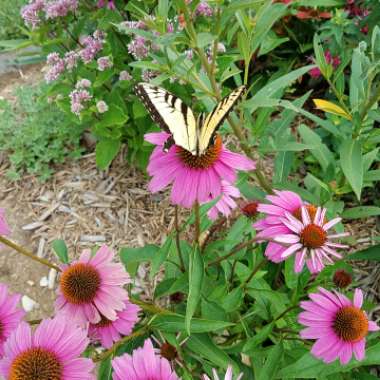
{"x":177,"y":297}
{"x":250,"y":209}
{"x":168,"y":351}
{"x":342,"y":279}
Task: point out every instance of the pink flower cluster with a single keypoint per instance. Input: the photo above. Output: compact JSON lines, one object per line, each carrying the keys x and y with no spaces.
{"x":92,"y":46}
{"x":104,"y":63}
{"x":34,"y":12}
{"x":335,"y":61}
{"x":109,"y":4}
{"x":78,"y":97}
{"x":55,"y":67}
{"x":204,"y":9}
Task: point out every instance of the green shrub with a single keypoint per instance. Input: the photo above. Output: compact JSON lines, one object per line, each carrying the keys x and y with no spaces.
{"x":36,"y":134}
{"x":11,"y":23}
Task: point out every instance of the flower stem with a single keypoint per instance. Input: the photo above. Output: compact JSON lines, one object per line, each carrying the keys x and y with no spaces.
{"x":197,"y":223}
{"x":149,"y":307}
{"x":236,"y":249}
{"x":290,"y":308}
{"x":27,"y":253}
{"x":178,"y":241}
{"x":255,"y":270}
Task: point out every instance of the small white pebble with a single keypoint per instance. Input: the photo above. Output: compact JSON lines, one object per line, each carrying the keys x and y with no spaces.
{"x":28,"y":304}
{"x":51,"y":279}
{"x":30,"y":283}
{"x":44,"y":282}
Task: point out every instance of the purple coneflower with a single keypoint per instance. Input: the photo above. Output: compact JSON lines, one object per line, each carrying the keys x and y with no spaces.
{"x":309,"y":240}
{"x":194,"y":178}
{"x":92,"y":287}
{"x":227,"y":376}
{"x":108,"y":332}
{"x":338,"y":325}
{"x":143,"y":364}
{"x":51,"y":353}
{"x":10,"y":314}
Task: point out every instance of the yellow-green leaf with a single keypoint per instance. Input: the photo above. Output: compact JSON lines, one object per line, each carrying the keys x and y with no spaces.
{"x":330,"y":107}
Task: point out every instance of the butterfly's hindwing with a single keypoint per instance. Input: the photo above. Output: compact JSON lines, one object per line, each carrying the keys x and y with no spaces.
{"x":217,"y":116}
{"x":171,"y":114}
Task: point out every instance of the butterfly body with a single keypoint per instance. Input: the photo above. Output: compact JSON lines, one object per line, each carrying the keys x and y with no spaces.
{"x":175,"y":117}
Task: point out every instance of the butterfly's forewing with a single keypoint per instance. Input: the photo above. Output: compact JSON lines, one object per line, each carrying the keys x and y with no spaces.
{"x":171,"y":114}
{"x":217,"y":116}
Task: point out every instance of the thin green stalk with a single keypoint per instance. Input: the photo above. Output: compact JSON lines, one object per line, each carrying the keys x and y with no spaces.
{"x":236,"y":249}
{"x":149,"y":307}
{"x":255,"y":270}
{"x":197,"y":224}
{"x":29,"y":254}
{"x":177,"y":239}
{"x":104,"y":355}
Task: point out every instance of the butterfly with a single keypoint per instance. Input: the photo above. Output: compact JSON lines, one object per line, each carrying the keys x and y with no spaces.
{"x":175,"y":117}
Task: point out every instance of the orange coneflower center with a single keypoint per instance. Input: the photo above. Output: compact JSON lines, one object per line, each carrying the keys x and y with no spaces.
{"x":206,"y":159}
{"x":79,"y":283}
{"x":351,"y":324}
{"x":313,"y":236}
{"x":36,"y":364}
{"x":168,"y":351}
{"x":311,"y":209}
{"x":104,"y":322}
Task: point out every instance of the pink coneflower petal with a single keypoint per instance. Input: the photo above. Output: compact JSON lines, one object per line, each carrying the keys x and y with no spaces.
{"x":289,"y":251}
{"x":92,"y":287}
{"x":305,"y":216}
{"x":193,"y":178}
{"x":338,"y":325}
{"x":331,"y":223}
{"x":287,"y":239}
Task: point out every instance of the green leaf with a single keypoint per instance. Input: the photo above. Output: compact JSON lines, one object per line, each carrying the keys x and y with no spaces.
{"x":258,"y":338}
{"x":204,"y":39}
{"x":114,"y":116}
{"x":105,"y":151}
{"x":322,"y":154}
{"x":351,"y":161}
{"x":273,"y":362}
{"x":137,"y":255}
{"x":273,"y":87}
{"x":291,"y":278}
{"x":60,"y":249}
{"x":105,"y":370}
{"x":161,"y":256}
{"x":204,"y":346}
{"x":370,"y":253}
{"x":360,"y":212}
{"x":196,"y":273}
{"x":176,"y":323}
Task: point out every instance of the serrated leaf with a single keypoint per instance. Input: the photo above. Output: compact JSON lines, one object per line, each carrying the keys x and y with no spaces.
{"x":351,"y":161}
{"x":60,"y":249}
{"x":330,"y":107}
{"x":196,"y":273}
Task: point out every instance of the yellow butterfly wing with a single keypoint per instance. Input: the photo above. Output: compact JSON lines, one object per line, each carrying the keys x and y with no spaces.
{"x":171,"y":114}
{"x":216,"y":118}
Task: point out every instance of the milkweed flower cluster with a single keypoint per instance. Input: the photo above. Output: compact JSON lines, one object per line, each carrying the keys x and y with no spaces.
{"x":38,"y":10}
{"x":78,"y":98}
{"x":102,"y":106}
{"x":92,"y":46}
{"x":106,"y":3}
{"x":104,"y":63}
{"x":296,"y":228}
{"x":204,"y":9}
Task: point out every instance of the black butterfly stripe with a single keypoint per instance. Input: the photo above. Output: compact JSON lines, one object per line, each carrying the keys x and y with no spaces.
{"x":141,"y":93}
{"x":184,"y":110}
